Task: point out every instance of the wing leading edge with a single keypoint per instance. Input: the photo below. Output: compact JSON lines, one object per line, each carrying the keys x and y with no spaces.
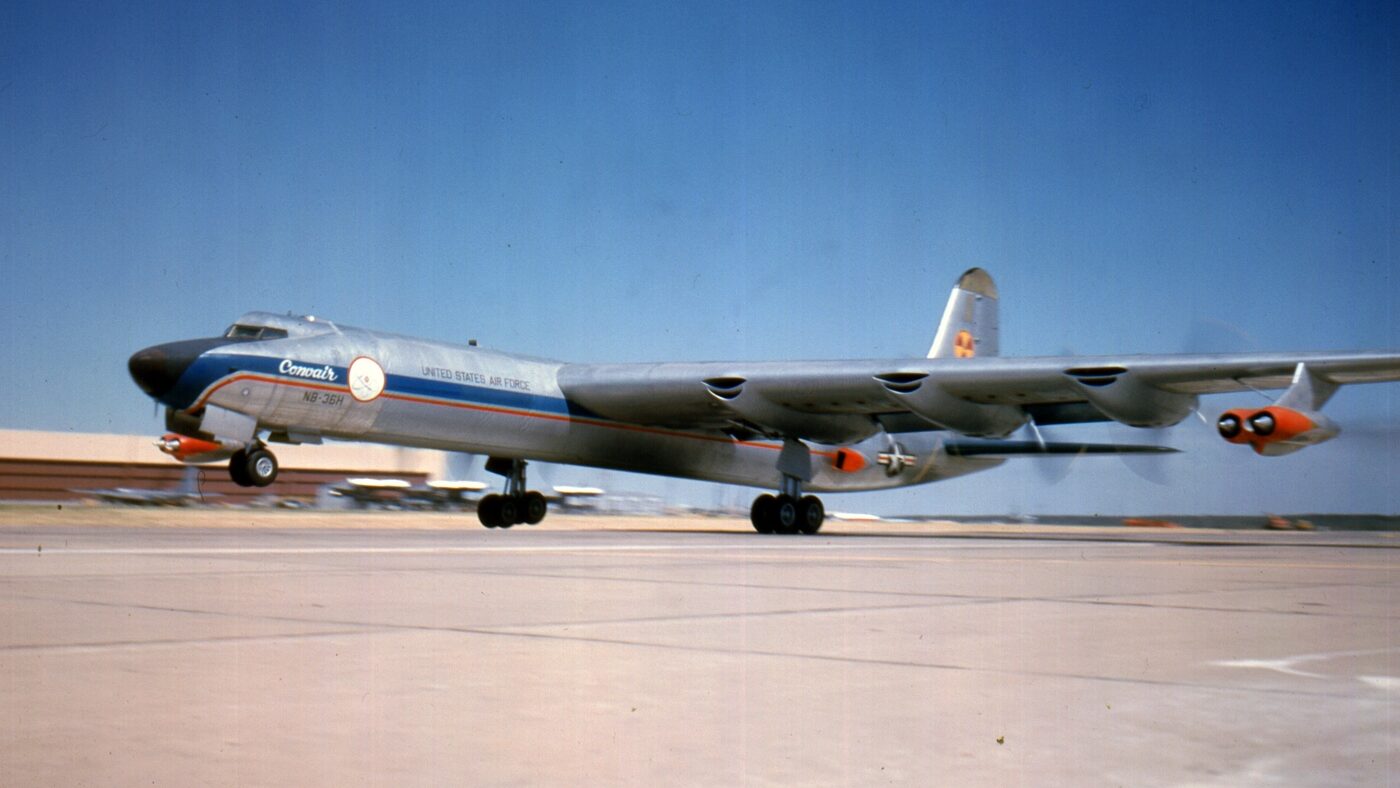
{"x":844,"y":400}
{"x":835,"y":401}
{"x":963,"y":385}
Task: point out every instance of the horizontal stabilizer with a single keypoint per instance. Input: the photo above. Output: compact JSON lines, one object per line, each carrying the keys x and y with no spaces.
{"x":972,"y":447}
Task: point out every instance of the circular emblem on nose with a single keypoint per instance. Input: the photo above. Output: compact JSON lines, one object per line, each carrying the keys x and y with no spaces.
{"x":366,"y":379}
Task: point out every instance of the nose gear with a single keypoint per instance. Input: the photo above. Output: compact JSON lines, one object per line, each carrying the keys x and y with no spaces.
{"x":253,"y":467}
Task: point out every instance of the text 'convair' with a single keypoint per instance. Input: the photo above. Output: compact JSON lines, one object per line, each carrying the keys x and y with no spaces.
{"x":289,"y":367}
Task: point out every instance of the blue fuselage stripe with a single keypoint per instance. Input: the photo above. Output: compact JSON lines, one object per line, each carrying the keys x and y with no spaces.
{"x":208,"y":369}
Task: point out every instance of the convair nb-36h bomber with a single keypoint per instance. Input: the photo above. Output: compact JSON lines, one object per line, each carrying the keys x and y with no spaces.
{"x":793,"y":427}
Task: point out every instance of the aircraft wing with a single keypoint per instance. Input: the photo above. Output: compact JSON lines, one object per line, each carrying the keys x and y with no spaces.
{"x":839,"y":401}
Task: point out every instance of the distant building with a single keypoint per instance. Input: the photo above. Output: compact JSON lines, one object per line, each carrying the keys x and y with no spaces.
{"x":51,"y":466}
{"x":628,"y":503}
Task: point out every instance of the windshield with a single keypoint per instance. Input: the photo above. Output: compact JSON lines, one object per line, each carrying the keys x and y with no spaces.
{"x":241,"y":331}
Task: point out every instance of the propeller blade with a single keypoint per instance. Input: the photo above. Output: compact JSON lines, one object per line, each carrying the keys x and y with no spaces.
{"x":1151,"y":468}
{"x":1052,"y":468}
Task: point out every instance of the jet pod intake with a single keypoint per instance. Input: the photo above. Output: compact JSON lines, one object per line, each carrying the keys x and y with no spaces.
{"x":195,"y":450}
{"x":1275,"y":430}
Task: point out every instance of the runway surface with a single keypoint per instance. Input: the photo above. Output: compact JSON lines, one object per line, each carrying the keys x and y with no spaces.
{"x":306,"y":656}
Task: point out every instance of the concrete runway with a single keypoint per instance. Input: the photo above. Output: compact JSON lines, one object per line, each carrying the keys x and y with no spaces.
{"x":257,"y":656}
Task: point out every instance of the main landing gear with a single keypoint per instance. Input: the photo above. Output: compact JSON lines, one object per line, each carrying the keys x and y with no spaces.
{"x":254,"y":466}
{"x":518,"y":505}
{"x":789,"y":512}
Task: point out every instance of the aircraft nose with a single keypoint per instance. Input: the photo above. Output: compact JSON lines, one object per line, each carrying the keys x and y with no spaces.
{"x":157,"y":368}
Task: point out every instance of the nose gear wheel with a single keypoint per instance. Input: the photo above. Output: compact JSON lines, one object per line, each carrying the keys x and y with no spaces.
{"x":253,"y":467}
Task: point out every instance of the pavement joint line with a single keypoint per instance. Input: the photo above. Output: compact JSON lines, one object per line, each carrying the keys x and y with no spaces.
{"x":342,"y":571}
{"x":1267,"y":539}
{"x":661,"y":550}
{"x":693,"y":617}
{"x":117,"y":577}
{"x":948,"y":599}
{"x":1177,"y":537}
{"x":907,"y":664}
{"x":116,"y":645}
{"x":831,"y":610}
{"x":1082,"y":561}
{"x":1077,"y":599}
{"x":458,"y":549}
{"x":1206,"y":609}
{"x":357,"y":629}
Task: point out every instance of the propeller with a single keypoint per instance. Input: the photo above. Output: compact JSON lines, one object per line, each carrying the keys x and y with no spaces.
{"x":1205,"y":335}
{"x":460,"y":465}
{"x":1382,"y":434}
{"x":542,"y":475}
{"x":1052,"y":468}
{"x":1151,"y":468}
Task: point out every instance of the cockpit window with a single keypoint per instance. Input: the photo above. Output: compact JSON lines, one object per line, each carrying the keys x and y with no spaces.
{"x":238,"y":331}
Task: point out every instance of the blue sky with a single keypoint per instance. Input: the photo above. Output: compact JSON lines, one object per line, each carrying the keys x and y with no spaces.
{"x":646,"y":181}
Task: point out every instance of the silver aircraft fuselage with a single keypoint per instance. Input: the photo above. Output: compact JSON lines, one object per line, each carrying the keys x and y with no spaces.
{"x":466,"y":398}
{"x":792,"y":426}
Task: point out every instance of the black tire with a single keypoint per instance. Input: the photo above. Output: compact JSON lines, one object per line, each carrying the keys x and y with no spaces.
{"x":488,"y":511}
{"x":785,"y":515}
{"x":535,"y":508}
{"x":238,"y":469}
{"x":261,"y":467}
{"x":761,"y":513}
{"x":810,"y":514}
{"x":509,"y":511}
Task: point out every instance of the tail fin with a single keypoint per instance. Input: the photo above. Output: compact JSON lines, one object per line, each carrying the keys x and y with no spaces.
{"x":969,"y":325}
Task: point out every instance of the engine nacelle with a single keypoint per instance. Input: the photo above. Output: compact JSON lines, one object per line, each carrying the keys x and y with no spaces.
{"x":1275,"y":430}
{"x":739,"y":398}
{"x":1118,"y":394}
{"x":931,"y":402}
{"x":848,"y":460}
{"x":195,"y":450}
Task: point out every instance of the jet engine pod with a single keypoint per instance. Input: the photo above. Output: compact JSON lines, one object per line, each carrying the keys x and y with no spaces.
{"x":1275,"y":430}
{"x":848,"y":460}
{"x":1127,"y":399}
{"x":1231,"y":425}
{"x":934,"y":404}
{"x":194,"y":450}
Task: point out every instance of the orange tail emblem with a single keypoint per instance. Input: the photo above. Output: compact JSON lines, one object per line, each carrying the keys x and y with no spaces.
{"x":964,"y":346}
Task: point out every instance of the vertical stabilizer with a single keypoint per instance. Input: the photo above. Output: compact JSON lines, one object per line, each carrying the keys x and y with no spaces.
{"x":969,"y":326}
